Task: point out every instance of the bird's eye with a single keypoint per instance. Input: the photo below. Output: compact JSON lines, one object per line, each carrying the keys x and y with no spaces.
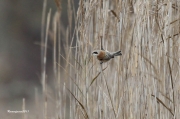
{"x":95,"y":52}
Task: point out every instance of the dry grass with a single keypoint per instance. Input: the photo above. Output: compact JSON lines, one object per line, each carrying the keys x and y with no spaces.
{"x":142,"y":83}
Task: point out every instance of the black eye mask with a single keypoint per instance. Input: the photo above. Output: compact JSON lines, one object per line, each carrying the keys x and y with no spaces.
{"x":95,"y":52}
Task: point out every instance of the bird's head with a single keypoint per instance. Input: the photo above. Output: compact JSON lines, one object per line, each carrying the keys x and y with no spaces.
{"x":95,"y":52}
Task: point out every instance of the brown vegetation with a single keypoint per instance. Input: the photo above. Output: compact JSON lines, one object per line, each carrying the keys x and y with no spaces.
{"x":142,"y":83}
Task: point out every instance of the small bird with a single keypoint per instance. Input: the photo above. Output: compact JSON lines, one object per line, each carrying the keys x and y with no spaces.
{"x":104,"y":55}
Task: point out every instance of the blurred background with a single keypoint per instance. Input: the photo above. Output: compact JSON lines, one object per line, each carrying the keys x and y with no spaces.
{"x":20,"y":59}
{"x":143,"y":83}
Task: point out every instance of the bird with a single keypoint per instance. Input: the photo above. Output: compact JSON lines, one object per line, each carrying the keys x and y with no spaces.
{"x":104,"y":55}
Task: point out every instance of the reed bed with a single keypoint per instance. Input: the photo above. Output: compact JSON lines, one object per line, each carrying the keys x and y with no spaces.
{"x":143,"y":83}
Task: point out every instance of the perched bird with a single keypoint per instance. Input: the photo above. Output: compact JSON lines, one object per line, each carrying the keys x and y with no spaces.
{"x":104,"y":55}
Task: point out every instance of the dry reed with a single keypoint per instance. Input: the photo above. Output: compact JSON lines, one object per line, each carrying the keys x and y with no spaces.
{"x":142,"y":83}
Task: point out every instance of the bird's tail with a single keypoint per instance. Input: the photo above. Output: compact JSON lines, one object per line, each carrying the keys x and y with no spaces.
{"x":118,"y":53}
